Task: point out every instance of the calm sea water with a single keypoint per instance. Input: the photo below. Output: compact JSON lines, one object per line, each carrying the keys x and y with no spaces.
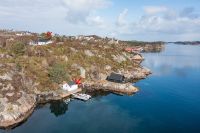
{"x":168,"y":102}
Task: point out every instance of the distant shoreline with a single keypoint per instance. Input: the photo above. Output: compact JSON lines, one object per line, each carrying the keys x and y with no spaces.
{"x":186,"y":42}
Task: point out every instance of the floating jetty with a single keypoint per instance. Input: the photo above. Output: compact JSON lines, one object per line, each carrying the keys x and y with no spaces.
{"x":80,"y":96}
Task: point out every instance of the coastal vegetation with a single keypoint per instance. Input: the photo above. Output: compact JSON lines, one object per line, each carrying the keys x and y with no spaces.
{"x":31,"y":73}
{"x":58,"y":73}
{"x":18,"y":49}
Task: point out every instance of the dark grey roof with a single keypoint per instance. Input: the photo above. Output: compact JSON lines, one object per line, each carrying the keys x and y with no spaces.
{"x":43,"y":40}
{"x":116,"y":77}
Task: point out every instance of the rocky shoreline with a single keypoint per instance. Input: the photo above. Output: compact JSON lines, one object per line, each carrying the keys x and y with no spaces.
{"x":13,"y":114}
{"x":117,"y":88}
{"x":32,"y":75}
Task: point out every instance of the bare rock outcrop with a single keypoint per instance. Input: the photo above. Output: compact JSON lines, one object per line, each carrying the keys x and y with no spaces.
{"x":88,"y":53}
{"x":153,"y":47}
{"x":104,"y":85}
{"x":119,"y":58}
{"x":12,"y":113}
{"x":138,"y":57}
{"x":137,"y":74}
{"x":16,"y":103}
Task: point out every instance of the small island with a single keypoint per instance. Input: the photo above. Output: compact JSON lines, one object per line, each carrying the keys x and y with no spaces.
{"x":34,"y":67}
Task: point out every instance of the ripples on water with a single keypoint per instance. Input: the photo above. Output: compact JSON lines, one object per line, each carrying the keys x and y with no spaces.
{"x":168,"y":101}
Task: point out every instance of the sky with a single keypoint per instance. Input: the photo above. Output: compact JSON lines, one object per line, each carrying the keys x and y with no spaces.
{"x":144,"y":20}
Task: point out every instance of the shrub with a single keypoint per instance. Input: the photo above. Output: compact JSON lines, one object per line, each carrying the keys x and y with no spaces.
{"x":58,"y":74}
{"x":18,"y":49}
{"x":18,"y":66}
{"x":40,"y":51}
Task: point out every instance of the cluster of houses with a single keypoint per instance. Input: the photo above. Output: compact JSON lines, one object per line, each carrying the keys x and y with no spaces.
{"x":8,"y":37}
{"x":23,"y":33}
{"x":33,"y":39}
{"x":46,"y":39}
{"x":16,"y":33}
{"x":134,"y":49}
{"x":93,"y":38}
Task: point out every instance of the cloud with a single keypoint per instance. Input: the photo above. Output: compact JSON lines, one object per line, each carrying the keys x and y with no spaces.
{"x":155,"y":9}
{"x":94,"y":17}
{"x":161,"y":21}
{"x":121,"y":20}
{"x":74,"y":11}
{"x":96,"y":21}
{"x":61,"y":16}
{"x":23,"y":9}
{"x":79,"y":10}
{"x":189,"y":12}
{"x":170,"y":22}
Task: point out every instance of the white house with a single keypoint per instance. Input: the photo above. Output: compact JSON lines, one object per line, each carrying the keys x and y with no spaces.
{"x":88,"y":38}
{"x":44,"y":42}
{"x":23,"y":34}
{"x":79,"y":37}
{"x":70,"y":86}
{"x":40,"y":42}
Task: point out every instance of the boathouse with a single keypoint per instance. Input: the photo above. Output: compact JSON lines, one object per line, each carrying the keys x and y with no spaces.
{"x":114,"y":77}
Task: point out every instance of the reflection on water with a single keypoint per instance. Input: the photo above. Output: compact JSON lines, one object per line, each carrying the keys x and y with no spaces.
{"x":58,"y":108}
{"x":176,"y":59}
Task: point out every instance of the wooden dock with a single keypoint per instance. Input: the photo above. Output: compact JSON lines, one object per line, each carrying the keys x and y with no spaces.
{"x":64,"y":94}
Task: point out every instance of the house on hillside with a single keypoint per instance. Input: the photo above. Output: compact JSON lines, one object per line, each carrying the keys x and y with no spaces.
{"x":129,"y":50}
{"x":44,"y":41}
{"x":23,"y":34}
{"x":88,"y":38}
{"x":134,"y":50}
{"x":79,"y":37}
{"x":71,"y":86}
{"x":114,"y":77}
{"x":41,"y":42}
{"x":137,"y":49}
{"x":113,"y":41}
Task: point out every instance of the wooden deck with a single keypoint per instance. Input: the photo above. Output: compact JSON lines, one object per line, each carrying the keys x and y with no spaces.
{"x":64,"y":94}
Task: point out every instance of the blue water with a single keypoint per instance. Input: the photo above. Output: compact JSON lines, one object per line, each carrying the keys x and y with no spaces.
{"x":168,"y":102}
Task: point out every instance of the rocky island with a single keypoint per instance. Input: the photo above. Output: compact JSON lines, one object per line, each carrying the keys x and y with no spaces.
{"x":33,"y":67}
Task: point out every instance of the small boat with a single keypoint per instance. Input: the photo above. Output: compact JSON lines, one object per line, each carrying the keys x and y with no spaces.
{"x":80,"y":96}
